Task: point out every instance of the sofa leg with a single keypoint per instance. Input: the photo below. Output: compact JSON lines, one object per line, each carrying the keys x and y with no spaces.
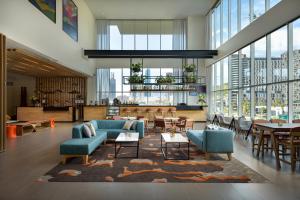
{"x":229,"y":156}
{"x":85,"y":159}
{"x":207,"y":156}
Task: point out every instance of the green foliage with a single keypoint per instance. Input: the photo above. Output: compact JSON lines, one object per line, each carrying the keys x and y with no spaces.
{"x":136,"y":68}
{"x":165,"y":80}
{"x":135,"y":78}
{"x":189,"y":68}
{"x":191,"y":79}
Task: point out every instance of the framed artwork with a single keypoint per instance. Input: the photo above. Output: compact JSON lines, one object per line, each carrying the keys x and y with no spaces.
{"x":47,"y":7}
{"x":70,"y":19}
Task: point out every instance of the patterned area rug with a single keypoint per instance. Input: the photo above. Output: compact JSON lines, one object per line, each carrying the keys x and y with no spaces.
{"x":151,"y":167}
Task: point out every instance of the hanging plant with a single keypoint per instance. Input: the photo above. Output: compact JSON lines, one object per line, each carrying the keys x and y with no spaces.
{"x":191,"y":79}
{"x":135,"y":78}
{"x":136,"y":68}
{"x":165,"y":80}
{"x":189,"y":68}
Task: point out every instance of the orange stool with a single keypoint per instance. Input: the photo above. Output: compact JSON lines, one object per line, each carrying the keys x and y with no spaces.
{"x":11,"y":131}
{"x":52,"y":122}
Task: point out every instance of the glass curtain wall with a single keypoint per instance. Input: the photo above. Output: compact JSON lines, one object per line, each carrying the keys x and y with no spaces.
{"x":229,"y":17}
{"x":262,"y":80}
{"x":141,"y":34}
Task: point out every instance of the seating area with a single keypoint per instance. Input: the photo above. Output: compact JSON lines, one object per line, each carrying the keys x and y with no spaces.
{"x":125,"y":99}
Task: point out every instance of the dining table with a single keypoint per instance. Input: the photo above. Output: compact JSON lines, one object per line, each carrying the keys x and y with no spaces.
{"x":275,"y":130}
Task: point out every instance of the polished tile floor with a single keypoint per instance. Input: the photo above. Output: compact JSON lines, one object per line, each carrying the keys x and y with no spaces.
{"x":30,"y":156}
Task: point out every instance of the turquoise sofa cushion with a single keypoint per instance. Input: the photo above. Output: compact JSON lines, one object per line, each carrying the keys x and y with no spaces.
{"x":82,"y":146}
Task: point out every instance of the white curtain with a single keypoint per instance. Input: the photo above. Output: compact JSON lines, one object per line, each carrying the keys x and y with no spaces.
{"x":103,"y":83}
{"x":103,"y":34}
{"x":179,"y":35}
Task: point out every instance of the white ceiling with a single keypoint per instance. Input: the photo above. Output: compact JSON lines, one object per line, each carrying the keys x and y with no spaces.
{"x":148,"y":9}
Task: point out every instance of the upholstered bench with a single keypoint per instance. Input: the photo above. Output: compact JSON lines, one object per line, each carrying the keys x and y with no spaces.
{"x":82,"y":147}
{"x":213,"y":141}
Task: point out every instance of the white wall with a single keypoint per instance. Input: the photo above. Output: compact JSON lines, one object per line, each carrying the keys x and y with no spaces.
{"x":22,"y":22}
{"x":14,"y":91}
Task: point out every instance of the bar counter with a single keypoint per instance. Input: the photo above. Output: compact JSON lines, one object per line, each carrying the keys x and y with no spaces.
{"x":61,"y":114}
{"x":197,"y":113}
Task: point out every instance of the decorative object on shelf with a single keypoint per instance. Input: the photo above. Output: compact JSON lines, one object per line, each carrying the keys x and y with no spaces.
{"x":116,"y":102}
{"x":189,"y":68}
{"x":202,"y":100}
{"x":70,"y":19}
{"x":47,"y":7}
{"x":35,"y":100}
{"x":136,"y":68}
{"x":136,"y":79}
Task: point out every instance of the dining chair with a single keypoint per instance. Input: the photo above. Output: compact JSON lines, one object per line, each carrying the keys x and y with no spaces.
{"x":256,"y":135}
{"x":296,"y":121}
{"x":292,"y":143}
{"x":181,"y":123}
{"x":277,"y":121}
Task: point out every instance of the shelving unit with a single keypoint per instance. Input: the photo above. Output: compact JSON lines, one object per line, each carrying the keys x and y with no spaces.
{"x":112,"y":110}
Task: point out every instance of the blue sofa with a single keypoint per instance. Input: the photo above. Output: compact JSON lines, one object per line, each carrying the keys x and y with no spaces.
{"x":80,"y":146}
{"x":213,"y":141}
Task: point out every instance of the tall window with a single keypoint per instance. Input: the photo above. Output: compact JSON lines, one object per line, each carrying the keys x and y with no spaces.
{"x":245,"y":61}
{"x":279,"y":55}
{"x":245,"y":13}
{"x":141,"y":35}
{"x":225,"y":20}
{"x":234,"y":17}
{"x":296,"y":69}
{"x":274,"y":2}
{"x":260,"y":62}
{"x":218,"y":26}
{"x":259,"y":8}
{"x":260,"y":102}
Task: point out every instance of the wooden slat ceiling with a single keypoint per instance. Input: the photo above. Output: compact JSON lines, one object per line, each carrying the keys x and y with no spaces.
{"x":22,"y":62}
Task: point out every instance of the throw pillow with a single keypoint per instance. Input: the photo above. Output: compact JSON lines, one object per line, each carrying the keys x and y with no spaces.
{"x":134,"y":124}
{"x":92,"y":128}
{"x":86,"y":131}
{"x":127,"y":125}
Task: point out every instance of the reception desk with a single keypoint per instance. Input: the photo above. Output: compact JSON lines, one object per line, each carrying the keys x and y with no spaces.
{"x":39,"y":113}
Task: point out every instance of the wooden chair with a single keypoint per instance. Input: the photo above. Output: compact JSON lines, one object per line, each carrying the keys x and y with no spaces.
{"x":293,"y":143}
{"x":296,"y":121}
{"x":150,"y":114}
{"x":276,"y":121}
{"x":127,"y":111}
{"x":256,"y":135}
{"x":172,"y":112}
{"x":163,"y":124}
{"x":181,"y":123}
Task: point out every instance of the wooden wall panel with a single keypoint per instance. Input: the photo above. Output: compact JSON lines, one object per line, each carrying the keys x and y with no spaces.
{"x":2,"y":92}
{"x":61,"y":91}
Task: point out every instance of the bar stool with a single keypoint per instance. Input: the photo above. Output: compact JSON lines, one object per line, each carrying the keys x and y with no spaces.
{"x":172,"y":112}
{"x":150,"y":114}
{"x":159,"y":112}
{"x":126,"y":111}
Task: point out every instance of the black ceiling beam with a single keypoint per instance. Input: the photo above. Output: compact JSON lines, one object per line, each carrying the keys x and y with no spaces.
{"x":150,"y":53}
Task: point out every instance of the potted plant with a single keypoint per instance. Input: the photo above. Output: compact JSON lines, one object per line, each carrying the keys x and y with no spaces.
{"x":202,"y":100}
{"x":35,"y":100}
{"x":189,"y":68}
{"x":190,"y":79}
{"x":136,"y":79}
{"x":136,"y":68}
{"x":165,"y":80}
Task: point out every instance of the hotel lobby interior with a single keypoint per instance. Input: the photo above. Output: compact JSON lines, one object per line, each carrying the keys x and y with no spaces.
{"x":150,"y":99}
